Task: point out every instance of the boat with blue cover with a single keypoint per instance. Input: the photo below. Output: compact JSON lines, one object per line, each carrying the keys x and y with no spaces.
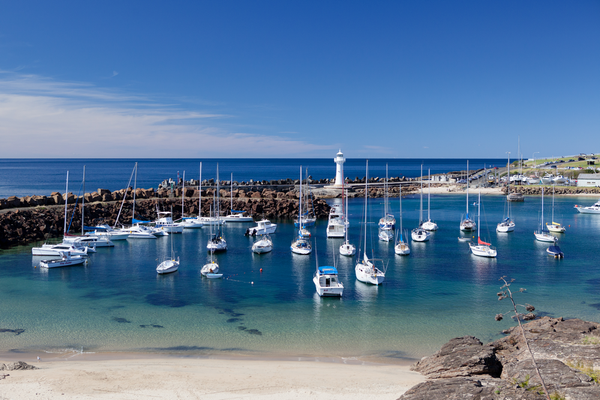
{"x":327,"y":282}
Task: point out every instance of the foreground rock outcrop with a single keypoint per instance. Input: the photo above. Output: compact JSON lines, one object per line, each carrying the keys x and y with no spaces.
{"x":566,"y":351}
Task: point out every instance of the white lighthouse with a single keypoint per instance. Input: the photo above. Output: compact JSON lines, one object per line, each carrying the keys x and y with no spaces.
{"x":339,"y":169}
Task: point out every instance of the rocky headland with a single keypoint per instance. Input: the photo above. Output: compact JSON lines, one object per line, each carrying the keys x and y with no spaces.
{"x":567,"y":353}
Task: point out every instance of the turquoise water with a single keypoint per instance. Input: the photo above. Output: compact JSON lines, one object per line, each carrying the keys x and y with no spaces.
{"x":118,"y":303}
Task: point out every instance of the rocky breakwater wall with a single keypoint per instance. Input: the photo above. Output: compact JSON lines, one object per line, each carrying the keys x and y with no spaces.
{"x":567,"y":353}
{"x":558,"y":190}
{"x":40,"y":222}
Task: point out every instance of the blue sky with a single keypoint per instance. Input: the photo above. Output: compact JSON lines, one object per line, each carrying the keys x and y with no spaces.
{"x":299,"y":79}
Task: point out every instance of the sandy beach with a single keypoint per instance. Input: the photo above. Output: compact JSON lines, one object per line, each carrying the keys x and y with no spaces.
{"x":187,"y":378}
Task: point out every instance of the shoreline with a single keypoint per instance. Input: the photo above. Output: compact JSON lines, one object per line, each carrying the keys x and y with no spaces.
{"x":209,"y":378}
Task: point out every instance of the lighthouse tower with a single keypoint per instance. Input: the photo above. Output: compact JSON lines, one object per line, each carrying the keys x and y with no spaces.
{"x":339,"y":170}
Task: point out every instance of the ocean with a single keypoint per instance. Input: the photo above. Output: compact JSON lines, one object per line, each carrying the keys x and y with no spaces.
{"x":117,"y":302}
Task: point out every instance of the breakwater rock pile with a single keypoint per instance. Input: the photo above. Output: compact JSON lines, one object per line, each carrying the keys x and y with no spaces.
{"x":558,"y":190}
{"x":567,"y":353}
{"x":43,"y":221}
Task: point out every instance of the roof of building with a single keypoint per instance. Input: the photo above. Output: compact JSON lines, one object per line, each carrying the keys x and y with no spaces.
{"x":588,"y":176}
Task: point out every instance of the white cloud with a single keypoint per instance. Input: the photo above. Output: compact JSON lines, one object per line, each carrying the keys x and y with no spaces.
{"x":46,"y":118}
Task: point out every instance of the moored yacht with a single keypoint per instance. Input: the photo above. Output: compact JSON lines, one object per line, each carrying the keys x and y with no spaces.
{"x":327,"y":282}
{"x":263,"y":245}
{"x":66,"y":260}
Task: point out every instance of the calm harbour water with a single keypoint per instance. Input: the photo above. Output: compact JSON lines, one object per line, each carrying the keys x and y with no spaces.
{"x":118,"y":303}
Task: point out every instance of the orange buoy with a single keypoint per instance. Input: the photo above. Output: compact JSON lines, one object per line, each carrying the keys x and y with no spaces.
{"x":261,"y":270}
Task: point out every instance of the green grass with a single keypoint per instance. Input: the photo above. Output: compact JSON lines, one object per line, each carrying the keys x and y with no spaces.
{"x":585,"y":369}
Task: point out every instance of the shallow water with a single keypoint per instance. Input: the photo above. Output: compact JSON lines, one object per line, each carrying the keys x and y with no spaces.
{"x":118,"y":303}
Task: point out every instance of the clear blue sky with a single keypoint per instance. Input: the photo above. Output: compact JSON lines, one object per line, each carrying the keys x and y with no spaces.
{"x":299,"y":78}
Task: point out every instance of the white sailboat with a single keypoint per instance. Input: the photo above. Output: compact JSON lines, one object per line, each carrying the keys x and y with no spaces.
{"x":211,"y":267}
{"x":365,"y":269}
{"x":308,"y":218}
{"x":507,"y":224}
{"x":217,"y":241}
{"x":542,"y":234}
{"x":189,"y":222}
{"x":401,"y":248}
{"x":419,"y":234}
{"x":387,"y":222}
{"x":467,"y":224}
{"x":481,"y":248}
{"x":170,"y":264}
{"x":347,"y":249}
{"x":301,"y":245}
{"x":263,"y":245}
{"x":429,"y":225}
{"x":235,"y":215}
{"x":555,"y":226}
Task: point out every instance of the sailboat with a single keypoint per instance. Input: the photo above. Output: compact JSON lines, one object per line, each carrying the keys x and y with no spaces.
{"x":401,"y":247}
{"x":365,"y":269}
{"x":507,"y":224}
{"x":429,"y":225}
{"x":217,"y":241}
{"x":481,"y":248}
{"x":210,"y":267}
{"x":301,"y":245}
{"x":211,"y":219}
{"x":263,"y":245}
{"x":387,"y":222}
{"x":308,"y":218}
{"x":137,"y":230}
{"x":190,"y":222}
{"x":542,"y":234}
{"x":346,"y":249}
{"x":419,"y":234}
{"x":467,"y":224}
{"x":555,"y":226}
{"x":169,"y":265}
{"x":235,"y":215}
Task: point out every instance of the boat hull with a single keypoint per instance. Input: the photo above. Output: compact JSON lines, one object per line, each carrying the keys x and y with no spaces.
{"x":429,"y":226}
{"x":328,"y":291}
{"x":167,"y":267}
{"x":419,"y":235}
{"x":545,"y":237}
{"x":402,"y":249}
{"x":62,"y":263}
{"x":505,"y":227}
{"x":347,"y":250}
{"x":210,"y":268}
{"x":365,"y":274}
{"x":483,"y":251}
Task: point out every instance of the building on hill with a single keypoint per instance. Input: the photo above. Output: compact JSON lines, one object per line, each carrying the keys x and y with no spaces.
{"x":588,"y":180}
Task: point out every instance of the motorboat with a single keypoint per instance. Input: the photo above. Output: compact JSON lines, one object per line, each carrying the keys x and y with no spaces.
{"x":560,"y":180}
{"x":166,"y":224}
{"x":237,"y":216}
{"x":481,"y":248}
{"x":57,"y":250}
{"x":66,"y":260}
{"x":365,"y":268}
{"x":542,"y":234}
{"x":555,"y":252}
{"x":515,"y":196}
{"x":327,"y":282}
{"x":467,"y":224}
{"x":336,"y":224}
{"x":263,"y":227}
{"x":263,"y":245}
{"x":593,"y":209}
{"x":547,"y":179}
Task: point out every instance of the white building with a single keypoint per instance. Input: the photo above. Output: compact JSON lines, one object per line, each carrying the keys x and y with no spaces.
{"x":588,"y":180}
{"x":339,"y":169}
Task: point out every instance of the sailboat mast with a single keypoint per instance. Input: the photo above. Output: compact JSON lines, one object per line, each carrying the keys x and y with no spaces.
{"x":200,"y":192}
{"x":400,"y":198}
{"x":467,"y":189}
{"x":83,"y":205}
{"x":429,"y":194}
{"x":182,"y":198}
{"x":552,"y":203}
{"x":66,"y":198}
{"x":421,"y":210}
{"x":218,"y":206}
{"x":231,"y":193}
{"x":300,"y":204}
{"x":366,"y":206}
{"x":386,"y":190}
{"x":134,"y":187}
{"x":542,"y":208}
{"x":479,"y":216}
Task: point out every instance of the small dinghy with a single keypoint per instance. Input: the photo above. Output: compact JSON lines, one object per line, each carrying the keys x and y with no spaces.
{"x":214,"y":276}
{"x":555,"y":252}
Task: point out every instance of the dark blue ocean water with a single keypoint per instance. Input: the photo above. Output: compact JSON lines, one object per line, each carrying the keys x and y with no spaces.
{"x":26,"y":177}
{"x":118,"y":303}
